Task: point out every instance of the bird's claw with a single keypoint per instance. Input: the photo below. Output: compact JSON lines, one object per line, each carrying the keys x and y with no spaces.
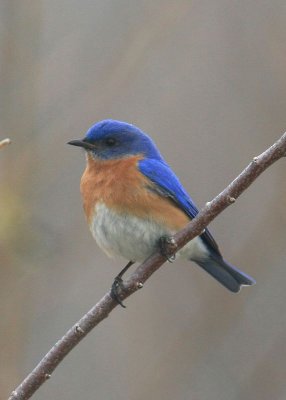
{"x":167,"y":247}
{"x":114,"y":292}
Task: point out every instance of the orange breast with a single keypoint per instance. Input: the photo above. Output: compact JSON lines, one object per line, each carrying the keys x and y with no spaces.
{"x":121,"y":186}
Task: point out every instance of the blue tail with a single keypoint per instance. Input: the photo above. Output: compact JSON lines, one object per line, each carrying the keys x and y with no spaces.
{"x":226,"y":274}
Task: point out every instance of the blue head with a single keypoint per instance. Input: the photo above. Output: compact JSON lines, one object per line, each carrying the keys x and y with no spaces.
{"x":111,"y":139}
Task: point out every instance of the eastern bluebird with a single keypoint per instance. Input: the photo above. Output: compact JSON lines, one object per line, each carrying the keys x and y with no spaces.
{"x":132,"y":199}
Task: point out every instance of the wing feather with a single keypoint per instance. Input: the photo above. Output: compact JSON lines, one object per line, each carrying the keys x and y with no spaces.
{"x":168,"y":185}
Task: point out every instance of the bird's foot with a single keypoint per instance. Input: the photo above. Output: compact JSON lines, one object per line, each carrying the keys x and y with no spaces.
{"x":116,"y":287}
{"x":168,"y":246}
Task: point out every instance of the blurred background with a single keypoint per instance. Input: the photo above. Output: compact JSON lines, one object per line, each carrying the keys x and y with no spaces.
{"x":206,"y":79}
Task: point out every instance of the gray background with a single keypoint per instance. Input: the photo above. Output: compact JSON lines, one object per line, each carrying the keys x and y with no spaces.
{"x":206,"y":79}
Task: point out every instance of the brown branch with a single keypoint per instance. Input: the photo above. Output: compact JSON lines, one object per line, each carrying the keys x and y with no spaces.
{"x":4,"y":142}
{"x":101,"y":310}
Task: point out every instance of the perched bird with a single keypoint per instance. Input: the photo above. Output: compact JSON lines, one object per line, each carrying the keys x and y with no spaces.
{"x":132,"y":199}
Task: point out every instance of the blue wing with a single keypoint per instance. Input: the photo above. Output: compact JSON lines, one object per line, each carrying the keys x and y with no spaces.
{"x":168,"y":185}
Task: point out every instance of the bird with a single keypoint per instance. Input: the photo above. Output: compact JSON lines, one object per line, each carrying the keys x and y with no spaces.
{"x":133,"y":201}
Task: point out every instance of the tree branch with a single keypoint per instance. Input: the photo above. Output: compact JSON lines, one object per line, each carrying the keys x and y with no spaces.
{"x":101,"y":310}
{"x":4,"y":142}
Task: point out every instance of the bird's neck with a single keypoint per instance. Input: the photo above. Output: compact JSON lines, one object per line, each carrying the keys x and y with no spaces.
{"x":108,"y":180}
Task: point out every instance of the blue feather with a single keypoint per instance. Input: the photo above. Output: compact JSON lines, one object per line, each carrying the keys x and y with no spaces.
{"x":169,"y":185}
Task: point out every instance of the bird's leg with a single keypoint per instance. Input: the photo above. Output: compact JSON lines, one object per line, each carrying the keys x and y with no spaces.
{"x":167,"y":247}
{"x":118,"y":283}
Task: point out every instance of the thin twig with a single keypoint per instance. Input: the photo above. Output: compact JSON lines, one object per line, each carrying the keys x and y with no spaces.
{"x":101,"y":310}
{"x":4,"y":142}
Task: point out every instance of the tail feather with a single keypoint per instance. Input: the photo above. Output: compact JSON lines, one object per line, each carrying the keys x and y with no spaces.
{"x":226,"y":274}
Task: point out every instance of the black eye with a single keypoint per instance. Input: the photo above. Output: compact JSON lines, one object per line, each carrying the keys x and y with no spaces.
{"x":110,"y":142}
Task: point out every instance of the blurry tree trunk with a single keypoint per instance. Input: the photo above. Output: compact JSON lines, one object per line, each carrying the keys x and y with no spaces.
{"x":19,"y":33}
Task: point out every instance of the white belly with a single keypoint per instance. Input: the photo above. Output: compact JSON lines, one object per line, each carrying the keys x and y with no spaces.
{"x":135,"y":238}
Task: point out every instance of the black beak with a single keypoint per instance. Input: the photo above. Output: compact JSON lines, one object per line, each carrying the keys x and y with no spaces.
{"x":82,"y":143}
